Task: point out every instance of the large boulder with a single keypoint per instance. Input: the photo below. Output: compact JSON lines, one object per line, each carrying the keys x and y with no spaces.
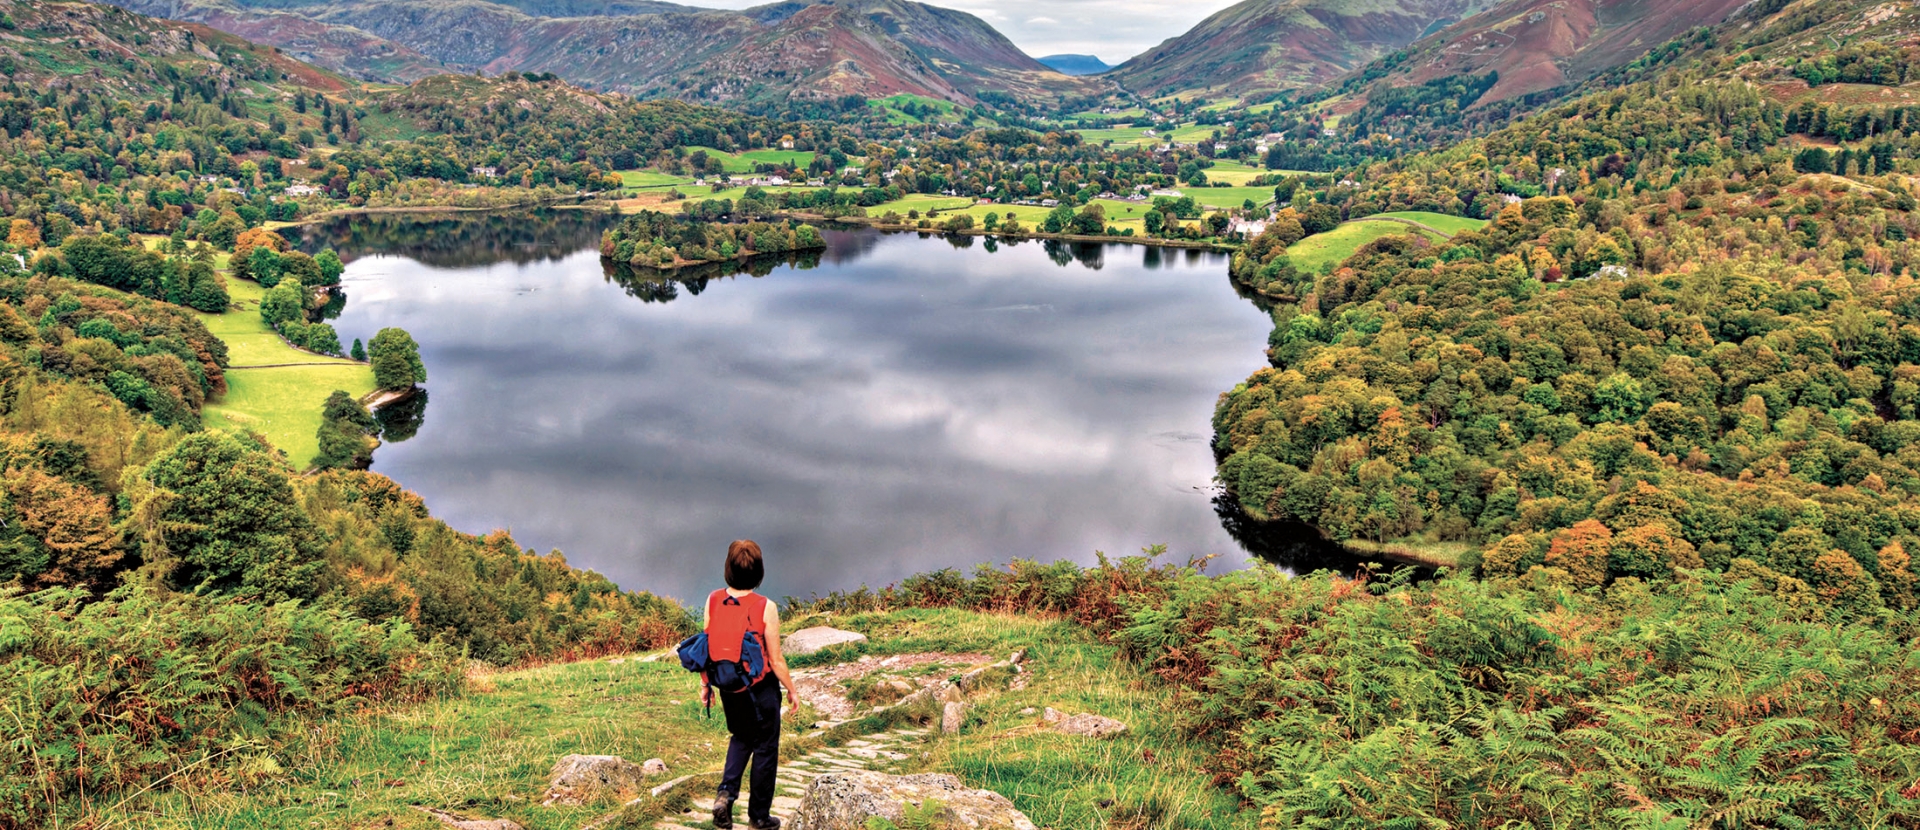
{"x":1091,"y":726}
{"x":845,"y":800}
{"x":582,"y":779}
{"x":810,"y":640}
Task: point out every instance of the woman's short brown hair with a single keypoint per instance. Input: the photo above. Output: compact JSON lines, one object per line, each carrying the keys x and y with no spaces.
{"x":745,"y":568}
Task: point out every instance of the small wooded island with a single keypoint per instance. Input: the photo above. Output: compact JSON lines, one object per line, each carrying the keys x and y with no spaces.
{"x":657,"y":240}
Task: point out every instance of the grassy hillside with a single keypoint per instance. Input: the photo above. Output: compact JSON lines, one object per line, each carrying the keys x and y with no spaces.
{"x":487,"y":752}
{"x":273,"y":388}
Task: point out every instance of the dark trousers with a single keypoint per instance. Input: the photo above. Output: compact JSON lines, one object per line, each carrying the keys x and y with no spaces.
{"x":753,"y":716}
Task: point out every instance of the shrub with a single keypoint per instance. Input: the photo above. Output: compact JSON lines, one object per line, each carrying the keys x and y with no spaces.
{"x":106,"y":694}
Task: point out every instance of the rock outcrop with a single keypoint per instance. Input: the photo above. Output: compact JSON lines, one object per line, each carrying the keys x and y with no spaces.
{"x":810,"y":640}
{"x":1091,"y":726}
{"x":844,"y":801}
{"x":583,"y":779}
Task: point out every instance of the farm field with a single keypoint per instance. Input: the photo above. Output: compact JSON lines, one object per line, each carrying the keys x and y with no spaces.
{"x":747,"y":162}
{"x":636,"y":179}
{"x":1438,"y":221}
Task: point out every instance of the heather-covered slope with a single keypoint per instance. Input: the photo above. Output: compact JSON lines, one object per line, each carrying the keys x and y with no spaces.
{"x":1536,"y":45}
{"x":816,"y":49}
{"x":1286,"y":44}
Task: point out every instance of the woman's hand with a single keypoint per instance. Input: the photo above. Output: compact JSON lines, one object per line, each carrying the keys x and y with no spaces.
{"x":793,"y":701}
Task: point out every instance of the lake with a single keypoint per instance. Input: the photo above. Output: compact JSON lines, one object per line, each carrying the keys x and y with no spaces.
{"x":895,"y":404}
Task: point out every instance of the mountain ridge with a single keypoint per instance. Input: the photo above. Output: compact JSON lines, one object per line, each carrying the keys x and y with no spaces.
{"x":794,"y":50}
{"x":1076,"y":64}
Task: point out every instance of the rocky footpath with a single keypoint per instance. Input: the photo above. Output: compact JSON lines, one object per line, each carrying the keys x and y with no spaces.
{"x":844,"y":780}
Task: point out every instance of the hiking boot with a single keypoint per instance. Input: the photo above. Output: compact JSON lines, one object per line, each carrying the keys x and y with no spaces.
{"x":768,"y":823}
{"x":723,"y":810}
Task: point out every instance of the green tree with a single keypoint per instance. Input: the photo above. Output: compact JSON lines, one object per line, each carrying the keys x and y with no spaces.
{"x":204,"y":291}
{"x":396,"y":360}
{"x":263,"y":264}
{"x":330,"y":267}
{"x":359,"y":351}
{"x":222,"y":519}
{"x":346,"y":433}
{"x":285,"y":301}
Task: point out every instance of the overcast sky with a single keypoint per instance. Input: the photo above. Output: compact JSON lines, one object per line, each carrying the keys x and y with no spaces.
{"x":1114,"y":30}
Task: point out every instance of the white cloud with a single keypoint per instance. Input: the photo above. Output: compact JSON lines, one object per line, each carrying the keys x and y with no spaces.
{"x":1114,"y":30}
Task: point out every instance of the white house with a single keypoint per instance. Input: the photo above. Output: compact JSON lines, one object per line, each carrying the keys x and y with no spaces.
{"x":300,"y":190}
{"x":487,"y":172}
{"x":1248,"y":227}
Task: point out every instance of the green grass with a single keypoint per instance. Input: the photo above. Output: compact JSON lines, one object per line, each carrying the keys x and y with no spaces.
{"x":1122,"y":137}
{"x":281,"y":403}
{"x":922,"y":203}
{"x":1229,"y":197}
{"x":1438,"y":221}
{"x":1325,"y":250}
{"x":388,"y":126}
{"x":700,"y":194}
{"x":487,"y":753}
{"x":891,"y":107}
{"x":798,"y":158}
{"x":635,"y":179}
{"x":1120,"y":214}
{"x":727,"y":161}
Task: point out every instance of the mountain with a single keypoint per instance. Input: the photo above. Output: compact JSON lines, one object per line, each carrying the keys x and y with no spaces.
{"x":1262,"y":45}
{"x":1076,"y":64}
{"x":795,"y":50}
{"x":1537,"y":45}
{"x":86,"y":46}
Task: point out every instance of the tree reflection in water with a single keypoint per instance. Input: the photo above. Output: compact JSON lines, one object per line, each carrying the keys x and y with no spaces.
{"x":403,"y":418}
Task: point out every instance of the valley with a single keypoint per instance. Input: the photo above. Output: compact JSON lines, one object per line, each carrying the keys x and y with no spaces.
{"x":1341,"y":414}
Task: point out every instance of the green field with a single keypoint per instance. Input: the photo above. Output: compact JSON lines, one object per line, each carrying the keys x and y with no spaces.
{"x":1120,"y":214}
{"x":1229,"y":198}
{"x":282,"y":403}
{"x":1438,"y":221}
{"x":699,"y":194}
{"x":798,"y":158}
{"x":747,"y":162}
{"x":487,"y":752}
{"x":1322,"y":251}
{"x":1120,"y":137}
{"x":1237,"y":174}
{"x":636,"y":179}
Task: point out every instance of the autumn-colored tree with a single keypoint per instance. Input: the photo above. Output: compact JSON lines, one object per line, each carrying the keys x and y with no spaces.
{"x":244,"y":243}
{"x":1844,"y":584}
{"x":1582,"y":552}
{"x":23,"y":235}
{"x":1897,"y":580}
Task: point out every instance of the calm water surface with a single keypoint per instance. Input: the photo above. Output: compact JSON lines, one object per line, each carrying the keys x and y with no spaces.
{"x":894,"y":405}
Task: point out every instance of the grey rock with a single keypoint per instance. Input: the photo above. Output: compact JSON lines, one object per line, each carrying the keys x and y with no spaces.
{"x":845,"y":800}
{"x":581,"y":779}
{"x":654,"y":766}
{"x":810,"y":640}
{"x":1091,"y":726}
{"x":953,"y":717}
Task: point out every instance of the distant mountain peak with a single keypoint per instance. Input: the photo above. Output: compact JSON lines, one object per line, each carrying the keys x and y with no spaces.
{"x":1076,"y":64}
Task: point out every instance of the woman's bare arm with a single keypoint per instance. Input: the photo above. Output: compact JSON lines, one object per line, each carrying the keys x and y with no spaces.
{"x":777,"y":660}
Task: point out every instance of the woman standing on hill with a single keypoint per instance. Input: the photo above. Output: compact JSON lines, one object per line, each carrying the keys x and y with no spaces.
{"x":753,"y":714}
